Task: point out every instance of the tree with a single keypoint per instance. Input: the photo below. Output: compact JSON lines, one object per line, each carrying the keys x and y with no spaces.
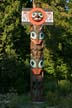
{"x":13,"y":51}
{"x":59,"y":40}
{"x":14,"y":43}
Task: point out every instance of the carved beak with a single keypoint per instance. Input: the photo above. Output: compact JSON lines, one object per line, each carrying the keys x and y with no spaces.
{"x":37,"y":41}
{"x":36,"y":71}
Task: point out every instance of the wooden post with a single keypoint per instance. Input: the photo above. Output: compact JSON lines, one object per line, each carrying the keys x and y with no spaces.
{"x":37,"y":17}
{"x":33,"y":4}
{"x":37,"y":74}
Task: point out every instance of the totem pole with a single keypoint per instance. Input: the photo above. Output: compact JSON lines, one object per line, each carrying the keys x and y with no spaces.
{"x":37,"y":17}
{"x":36,"y":62}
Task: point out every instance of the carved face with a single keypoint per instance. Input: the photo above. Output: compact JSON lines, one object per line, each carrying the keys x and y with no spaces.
{"x":35,"y":46}
{"x":36,"y":54}
{"x":36,"y":65}
{"x":37,"y":38}
{"x":37,"y":16}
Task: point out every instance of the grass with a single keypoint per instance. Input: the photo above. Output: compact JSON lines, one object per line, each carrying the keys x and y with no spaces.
{"x":52,"y":100}
{"x":58,"y":97}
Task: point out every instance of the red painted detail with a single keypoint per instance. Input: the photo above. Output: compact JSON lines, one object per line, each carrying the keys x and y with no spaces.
{"x":36,"y":71}
{"x":37,"y":41}
{"x":38,"y":22}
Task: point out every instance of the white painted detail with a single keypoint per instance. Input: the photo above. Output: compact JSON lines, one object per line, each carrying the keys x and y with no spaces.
{"x":49,"y":17}
{"x":40,"y":64}
{"x":33,"y":63}
{"x":41,"y":35}
{"x":25,"y":17}
{"x":33,"y":35}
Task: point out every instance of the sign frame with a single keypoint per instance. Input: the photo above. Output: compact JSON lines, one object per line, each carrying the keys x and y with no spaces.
{"x":25,"y":14}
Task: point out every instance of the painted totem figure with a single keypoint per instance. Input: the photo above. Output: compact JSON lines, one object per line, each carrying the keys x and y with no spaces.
{"x":37,"y":17}
{"x":36,"y":62}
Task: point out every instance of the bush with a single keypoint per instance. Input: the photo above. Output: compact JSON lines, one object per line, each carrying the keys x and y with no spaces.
{"x":65,"y":87}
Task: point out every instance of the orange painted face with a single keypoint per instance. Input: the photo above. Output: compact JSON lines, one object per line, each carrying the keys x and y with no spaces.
{"x":37,"y":16}
{"x":37,"y":66}
{"x":37,"y":38}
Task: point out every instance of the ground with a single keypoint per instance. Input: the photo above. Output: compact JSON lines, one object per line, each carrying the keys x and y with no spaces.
{"x":13,"y":100}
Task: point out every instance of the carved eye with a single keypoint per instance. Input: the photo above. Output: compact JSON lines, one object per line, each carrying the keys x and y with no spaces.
{"x":41,"y":35}
{"x":34,"y":14}
{"x":40,"y":15}
{"x":33,"y":35}
{"x":40,"y":64}
{"x":33,"y":63}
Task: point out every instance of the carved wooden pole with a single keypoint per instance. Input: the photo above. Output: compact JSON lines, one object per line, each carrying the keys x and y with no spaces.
{"x":34,"y":4}
{"x":36,"y":62}
{"x":37,"y":17}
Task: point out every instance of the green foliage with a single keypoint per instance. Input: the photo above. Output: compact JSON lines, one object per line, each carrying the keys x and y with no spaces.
{"x":65,"y":87}
{"x":58,"y":41}
{"x":15,"y":53}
